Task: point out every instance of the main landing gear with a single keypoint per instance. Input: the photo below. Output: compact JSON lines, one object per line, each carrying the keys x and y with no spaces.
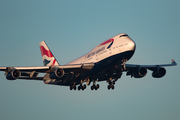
{"x":81,"y":87}
{"x":94,"y":86}
{"x":73,"y":87}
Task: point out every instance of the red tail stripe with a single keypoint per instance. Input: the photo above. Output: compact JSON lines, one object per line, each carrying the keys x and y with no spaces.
{"x":53,"y":62}
{"x":107,"y":41}
{"x":45,"y":52}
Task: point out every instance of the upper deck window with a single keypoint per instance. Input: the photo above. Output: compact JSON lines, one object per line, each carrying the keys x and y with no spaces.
{"x":123,"y":35}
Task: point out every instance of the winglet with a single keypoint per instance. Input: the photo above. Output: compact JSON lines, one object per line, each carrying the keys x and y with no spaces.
{"x":173,"y":62}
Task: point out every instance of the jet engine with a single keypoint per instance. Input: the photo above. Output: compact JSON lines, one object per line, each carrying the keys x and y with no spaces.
{"x":57,"y":73}
{"x":14,"y":74}
{"x":141,"y":72}
{"x":158,"y":73}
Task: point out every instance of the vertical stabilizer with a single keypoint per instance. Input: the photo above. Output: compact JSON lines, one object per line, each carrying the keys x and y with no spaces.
{"x":47,"y":56}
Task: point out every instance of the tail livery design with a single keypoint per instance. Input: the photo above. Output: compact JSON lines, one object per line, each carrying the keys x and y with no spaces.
{"x":47,"y":56}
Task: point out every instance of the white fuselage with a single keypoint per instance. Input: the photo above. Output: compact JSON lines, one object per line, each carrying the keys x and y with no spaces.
{"x":117,"y":44}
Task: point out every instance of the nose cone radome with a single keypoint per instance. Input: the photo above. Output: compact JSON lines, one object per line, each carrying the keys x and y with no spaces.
{"x":132,"y":45}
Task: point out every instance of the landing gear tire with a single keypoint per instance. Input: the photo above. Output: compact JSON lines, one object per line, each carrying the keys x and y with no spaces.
{"x":92,"y":87}
{"x":109,"y":87}
{"x":84,"y":86}
{"x":97,"y":86}
{"x":79,"y":87}
{"x":74,"y":87}
{"x":112,"y":87}
{"x":71,"y":87}
{"x":113,"y":82}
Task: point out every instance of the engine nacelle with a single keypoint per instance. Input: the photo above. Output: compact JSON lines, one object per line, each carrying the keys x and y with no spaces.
{"x":160,"y":72}
{"x":14,"y":74}
{"x":57,"y":73}
{"x":141,"y":72}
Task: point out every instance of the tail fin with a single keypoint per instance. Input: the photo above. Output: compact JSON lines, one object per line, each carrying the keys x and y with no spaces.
{"x":47,"y":56}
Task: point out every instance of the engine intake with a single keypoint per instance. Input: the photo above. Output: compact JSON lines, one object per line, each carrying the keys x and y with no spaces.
{"x":14,"y":74}
{"x":141,"y":72}
{"x":57,"y":73}
{"x":160,"y":72}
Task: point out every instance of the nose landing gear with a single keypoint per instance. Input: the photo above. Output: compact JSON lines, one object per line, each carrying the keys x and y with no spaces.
{"x":112,"y":80}
{"x":111,"y":85}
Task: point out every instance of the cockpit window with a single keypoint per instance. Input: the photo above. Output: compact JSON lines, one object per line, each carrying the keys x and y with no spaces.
{"x":123,"y":35}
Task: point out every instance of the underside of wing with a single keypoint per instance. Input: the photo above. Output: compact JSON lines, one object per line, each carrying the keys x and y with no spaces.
{"x":51,"y":72}
{"x":139,"y":71}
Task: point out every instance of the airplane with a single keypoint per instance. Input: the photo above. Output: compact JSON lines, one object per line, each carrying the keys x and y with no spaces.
{"x":106,"y":62}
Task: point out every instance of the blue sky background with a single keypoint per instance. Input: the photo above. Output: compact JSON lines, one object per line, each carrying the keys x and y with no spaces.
{"x":72,"y":28}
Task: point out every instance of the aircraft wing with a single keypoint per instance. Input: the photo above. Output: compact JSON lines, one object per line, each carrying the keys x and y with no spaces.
{"x":129,"y":66}
{"x":13,"y":73}
{"x":139,"y":71}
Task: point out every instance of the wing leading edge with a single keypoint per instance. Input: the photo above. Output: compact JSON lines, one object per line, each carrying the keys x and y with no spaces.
{"x":139,"y":71}
{"x":13,"y":73}
{"x":151,"y":66}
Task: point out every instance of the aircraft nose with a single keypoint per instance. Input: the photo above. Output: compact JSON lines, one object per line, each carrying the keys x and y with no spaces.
{"x":133,"y":45}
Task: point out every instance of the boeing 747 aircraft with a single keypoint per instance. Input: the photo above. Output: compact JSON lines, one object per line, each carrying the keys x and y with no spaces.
{"x":106,"y":62}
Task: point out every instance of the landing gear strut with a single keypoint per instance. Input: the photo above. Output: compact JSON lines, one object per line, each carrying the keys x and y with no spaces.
{"x":73,"y":86}
{"x":112,"y":80}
